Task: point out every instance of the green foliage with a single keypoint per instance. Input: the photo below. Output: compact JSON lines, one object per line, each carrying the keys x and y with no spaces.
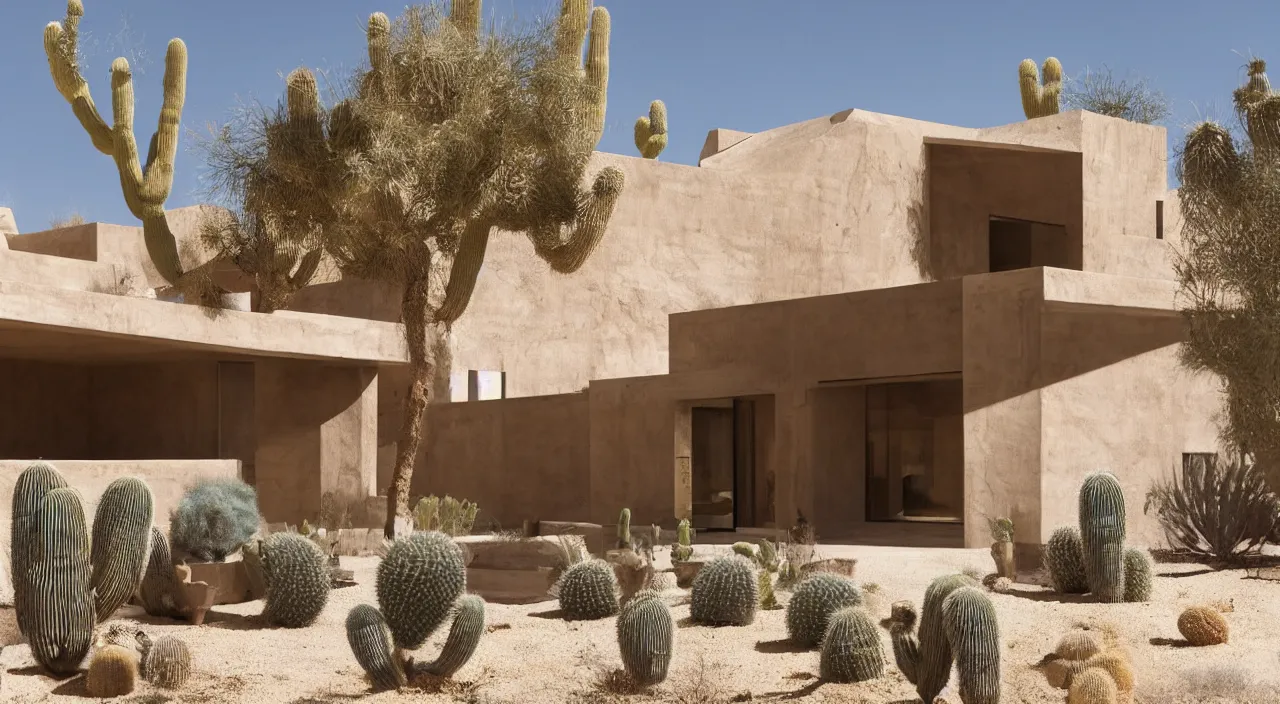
{"x":725,"y":592}
{"x":1064,"y":558}
{"x":297,"y":577}
{"x":851,"y":650}
{"x":214,"y":518}
{"x":815,"y":599}
{"x":588,"y":591}
{"x":1102,"y":532}
{"x":1138,"y":575}
{"x":646,"y":637}
{"x":1216,"y":507}
{"x":447,"y":515}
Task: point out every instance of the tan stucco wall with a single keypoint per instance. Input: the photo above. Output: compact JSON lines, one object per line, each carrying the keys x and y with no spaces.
{"x":168,"y":480}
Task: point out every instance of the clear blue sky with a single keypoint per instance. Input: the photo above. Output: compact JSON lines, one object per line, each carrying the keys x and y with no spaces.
{"x":740,"y":64}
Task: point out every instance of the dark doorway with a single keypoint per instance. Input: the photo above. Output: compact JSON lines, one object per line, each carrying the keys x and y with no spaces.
{"x":915,"y":451}
{"x":732,"y":484}
{"x":1022,"y":244}
{"x":713,"y":467}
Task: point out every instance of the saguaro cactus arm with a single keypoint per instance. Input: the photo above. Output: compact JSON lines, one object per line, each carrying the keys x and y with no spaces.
{"x":1040,"y":99}
{"x":145,"y":191}
{"x":651,"y":131}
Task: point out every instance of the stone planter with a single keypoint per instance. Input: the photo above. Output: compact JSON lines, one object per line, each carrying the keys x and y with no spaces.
{"x":1003,"y":554}
{"x":229,"y":579}
{"x":197,"y":597}
{"x":508,"y":571}
{"x":836,"y":565}
{"x":686,"y":571}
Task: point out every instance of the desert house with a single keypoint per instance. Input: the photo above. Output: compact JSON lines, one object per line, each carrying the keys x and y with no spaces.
{"x":895,"y":328}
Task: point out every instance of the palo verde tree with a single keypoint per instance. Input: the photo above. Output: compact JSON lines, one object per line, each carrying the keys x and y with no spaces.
{"x":1229,"y":265}
{"x":145,"y":186}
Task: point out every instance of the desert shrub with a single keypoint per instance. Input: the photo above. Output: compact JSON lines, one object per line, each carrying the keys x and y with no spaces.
{"x":1215,"y":508}
{"x":214,"y":519}
{"x":1101,"y":92}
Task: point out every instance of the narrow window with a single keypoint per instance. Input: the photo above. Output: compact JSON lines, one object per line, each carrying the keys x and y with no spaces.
{"x":1159,"y":219}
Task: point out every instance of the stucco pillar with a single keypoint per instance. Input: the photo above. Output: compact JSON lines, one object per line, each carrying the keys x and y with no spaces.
{"x":793,"y":433}
{"x":317,"y":433}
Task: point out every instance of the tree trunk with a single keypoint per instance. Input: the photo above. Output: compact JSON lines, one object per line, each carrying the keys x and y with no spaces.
{"x":414,"y":315}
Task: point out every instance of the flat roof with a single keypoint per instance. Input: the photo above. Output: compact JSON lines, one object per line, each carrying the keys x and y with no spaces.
{"x":44,"y":322}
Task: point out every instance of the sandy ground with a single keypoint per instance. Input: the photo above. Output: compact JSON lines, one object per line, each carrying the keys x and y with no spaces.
{"x":531,"y":656}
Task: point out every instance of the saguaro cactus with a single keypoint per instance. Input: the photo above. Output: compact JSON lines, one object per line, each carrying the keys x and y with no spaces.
{"x":651,"y":131}
{"x":145,"y":189}
{"x":1040,"y":99}
{"x":1102,"y":531}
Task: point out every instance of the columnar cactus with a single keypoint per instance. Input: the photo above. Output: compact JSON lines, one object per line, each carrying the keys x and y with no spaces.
{"x":113,"y":672}
{"x":683,"y":549}
{"x":159,"y":590}
{"x":768,"y":598}
{"x":974,"y":635}
{"x":588,"y":591}
{"x":624,"y":529}
{"x":419,"y":583}
{"x":725,"y":592}
{"x":464,"y":637}
{"x":745,"y":549}
{"x":1040,"y":99}
{"x":1064,"y":558}
{"x":814,"y":600}
{"x":1138,"y":572}
{"x":121,"y":543}
{"x":651,"y":131}
{"x":1102,"y":532}
{"x":929,"y":656}
{"x":646,"y":637}
{"x":30,"y":489}
{"x":767,"y":556}
{"x":166,"y":663}
{"x":297,"y":578}
{"x":60,"y":603}
{"x":851,"y":650}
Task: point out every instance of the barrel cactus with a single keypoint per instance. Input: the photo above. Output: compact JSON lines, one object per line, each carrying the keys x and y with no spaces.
{"x":1138,"y":575}
{"x":725,"y":592}
{"x":1093,"y":686}
{"x":851,"y":650}
{"x":1064,"y":559}
{"x":166,"y":663}
{"x":419,"y":583}
{"x":159,"y":590}
{"x":61,"y":605}
{"x":588,"y":590}
{"x":113,"y":672}
{"x":1202,"y":625}
{"x":814,"y":600}
{"x":1102,"y":532}
{"x":646,"y":635}
{"x":972,"y":630}
{"x":214,"y":518}
{"x":297,"y":577}
{"x":121,"y":543}
{"x":30,"y":489}
{"x":464,"y":637}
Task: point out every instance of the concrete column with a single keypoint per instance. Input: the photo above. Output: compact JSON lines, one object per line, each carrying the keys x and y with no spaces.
{"x":317,"y":433}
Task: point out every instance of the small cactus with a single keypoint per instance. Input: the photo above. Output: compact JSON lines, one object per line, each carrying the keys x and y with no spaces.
{"x":113,"y":672}
{"x":588,"y":591}
{"x":902,"y":634}
{"x":1202,"y":625}
{"x":624,"y":530}
{"x":651,"y":131}
{"x":371,"y":642}
{"x":166,"y":663}
{"x":1138,"y":575}
{"x":159,"y":589}
{"x":851,"y":650}
{"x":814,"y":600}
{"x":646,"y":636}
{"x":974,"y":636}
{"x":1102,"y":532}
{"x":464,"y":637}
{"x":214,"y":518}
{"x":768,"y":599}
{"x":1068,"y":658}
{"x":767,"y":555}
{"x":745,"y":549}
{"x":1040,"y":99}
{"x":1093,"y":686}
{"x":120,"y":544}
{"x":725,"y":593}
{"x":683,"y":549}
{"x":1064,"y":559}
{"x":297,"y":577}
{"x":417,"y":584}
{"x":30,"y":489}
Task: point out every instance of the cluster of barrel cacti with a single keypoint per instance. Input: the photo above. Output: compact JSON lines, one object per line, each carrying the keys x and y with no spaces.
{"x":1094,"y":670}
{"x":67,"y":580}
{"x":419,"y":584}
{"x":1093,"y":559}
{"x":957,"y":626}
